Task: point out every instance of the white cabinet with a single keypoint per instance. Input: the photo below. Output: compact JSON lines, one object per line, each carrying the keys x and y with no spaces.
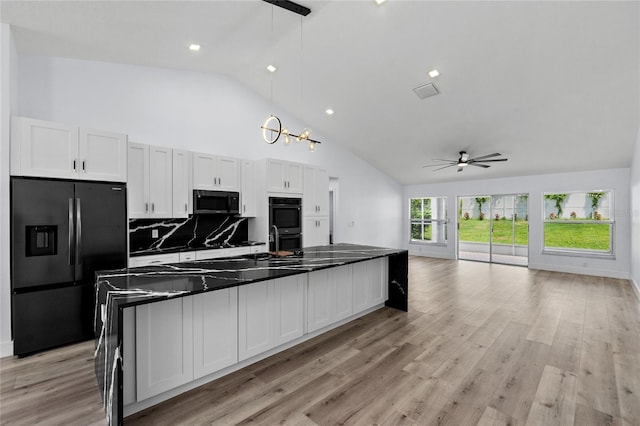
{"x":48,"y":149}
{"x":270,"y":313}
{"x":215,"y":173}
{"x":248,"y":190}
{"x":222,"y":252}
{"x":215,"y":331}
{"x":284,"y":176}
{"x":329,"y":297}
{"x":182,"y":192}
{"x":370,"y":281}
{"x":315,"y":198}
{"x":186,"y":256}
{"x":150,"y":184}
{"x":164,"y":346}
{"x":154,"y":259}
{"x":315,"y":231}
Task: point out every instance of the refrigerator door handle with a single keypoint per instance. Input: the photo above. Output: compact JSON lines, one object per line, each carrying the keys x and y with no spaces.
{"x":78,"y":230}
{"x":71,"y":233}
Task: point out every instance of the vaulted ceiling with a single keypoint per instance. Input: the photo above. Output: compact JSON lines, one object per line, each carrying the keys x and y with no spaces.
{"x":554,"y":86}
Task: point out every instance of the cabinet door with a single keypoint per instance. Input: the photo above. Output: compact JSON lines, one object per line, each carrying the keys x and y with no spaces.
{"x":160,"y":182}
{"x":204,"y":171}
{"x":182,"y":193}
{"x":164,"y":346}
{"x":215,"y":331}
{"x":248,"y":191}
{"x":102,"y":155}
{"x":343,"y":305}
{"x":288,"y":310}
{"x":322,"y":192}
{"x":255,"y":319}
{"x":228,"y":174}
{"x":138,"y":180}
{"x":42,"y":148}
{"x":315,"y":231}
{"x":276,"y":176}
{"x":379,"y":280}
{"x":320,"y":300}
{"x":309,"y":204}
{"x":361,"y":286}
{"x":294,"y":177}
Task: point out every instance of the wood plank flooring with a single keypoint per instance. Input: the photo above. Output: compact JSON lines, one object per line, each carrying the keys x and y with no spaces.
{"x":481,"y":345}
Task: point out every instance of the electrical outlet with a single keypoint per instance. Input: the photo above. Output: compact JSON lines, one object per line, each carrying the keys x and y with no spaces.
{"x":154,"y":233}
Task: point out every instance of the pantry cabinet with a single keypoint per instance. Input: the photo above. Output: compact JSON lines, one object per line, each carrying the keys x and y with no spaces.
{"x":315,"y":198}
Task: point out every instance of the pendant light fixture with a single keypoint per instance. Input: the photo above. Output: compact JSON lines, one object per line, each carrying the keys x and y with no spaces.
{"x":272,"y":127}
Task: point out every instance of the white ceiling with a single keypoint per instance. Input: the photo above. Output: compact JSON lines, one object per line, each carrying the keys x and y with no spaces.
{"x":554,"y":86}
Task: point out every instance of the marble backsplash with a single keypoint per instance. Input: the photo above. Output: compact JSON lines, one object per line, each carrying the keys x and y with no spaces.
{"x":197,"y":231}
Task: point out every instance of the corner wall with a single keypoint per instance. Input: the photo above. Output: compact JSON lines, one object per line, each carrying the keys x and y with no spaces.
{"x":614,"y":179}
{"x":8,"y":104}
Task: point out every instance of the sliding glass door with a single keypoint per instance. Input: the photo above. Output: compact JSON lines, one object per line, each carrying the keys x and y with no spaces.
{"x":494,"y":228}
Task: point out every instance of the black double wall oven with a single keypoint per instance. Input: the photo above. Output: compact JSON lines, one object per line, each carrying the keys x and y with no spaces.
{"x":62,"y":232}
{"x":286,"y":215}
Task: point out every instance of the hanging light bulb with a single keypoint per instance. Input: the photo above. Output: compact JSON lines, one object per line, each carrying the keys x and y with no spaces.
{"x":285,"y":132}
{"x":312,"y":146}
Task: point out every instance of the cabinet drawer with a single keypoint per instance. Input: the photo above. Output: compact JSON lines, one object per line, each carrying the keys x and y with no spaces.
{"x":156,"y":259}
{"x":187,"y":256}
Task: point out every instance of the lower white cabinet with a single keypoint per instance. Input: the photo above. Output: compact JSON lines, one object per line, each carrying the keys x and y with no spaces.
{"x":315,"y":231}
{"x":329,"y":297}
{"x":270,"y":313}
{"x":164,"y":346}
{"x":370,"y":282}
{"x":215,"y":331}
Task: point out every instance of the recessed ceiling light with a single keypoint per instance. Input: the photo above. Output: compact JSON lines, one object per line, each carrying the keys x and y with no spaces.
{"x":271,"y":68}
{"x":379,"y":2}
{"x":329,"y":111}
{"x":194,"y":47}
{"x":434,"y":73}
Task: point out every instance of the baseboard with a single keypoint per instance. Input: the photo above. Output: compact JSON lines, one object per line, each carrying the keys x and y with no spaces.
{"x":580,"y":270}
{"x":636,"y":288}
{"x":413,"y":252}
{"x":6,"y":349}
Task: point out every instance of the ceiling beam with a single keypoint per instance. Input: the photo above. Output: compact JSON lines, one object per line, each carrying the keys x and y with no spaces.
{"x":290,"y":6}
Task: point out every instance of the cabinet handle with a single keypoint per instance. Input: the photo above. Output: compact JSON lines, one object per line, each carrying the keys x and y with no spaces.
{"x":153,"y":207}
{"x":185,"y":207}
{"x":84,"y":169}
{"x":146,"y":207}
{"x":244,"y":208}
{"x":74,"y":165}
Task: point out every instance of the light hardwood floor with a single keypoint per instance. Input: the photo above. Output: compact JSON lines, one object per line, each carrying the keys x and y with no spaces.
{"x":481,"y":345}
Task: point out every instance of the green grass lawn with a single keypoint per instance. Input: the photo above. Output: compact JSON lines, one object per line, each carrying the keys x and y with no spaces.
{"x":556,"y":235}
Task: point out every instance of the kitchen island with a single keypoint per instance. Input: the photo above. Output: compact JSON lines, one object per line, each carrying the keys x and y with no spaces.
{"x":247,"y":308}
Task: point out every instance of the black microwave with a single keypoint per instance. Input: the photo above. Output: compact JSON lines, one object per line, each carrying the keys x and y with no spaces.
{"x":215,"y":202}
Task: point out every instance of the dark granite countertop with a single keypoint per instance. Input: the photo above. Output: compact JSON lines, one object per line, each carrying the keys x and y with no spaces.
{"x":161,"y":250}
{"x":146,"y":284}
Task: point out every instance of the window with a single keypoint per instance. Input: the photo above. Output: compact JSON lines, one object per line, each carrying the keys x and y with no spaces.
{"x":579,"y":222}
{"x":429,"y":220}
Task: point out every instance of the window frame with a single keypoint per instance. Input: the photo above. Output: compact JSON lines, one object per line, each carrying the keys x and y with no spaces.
{"x":578,"y":252}
{"x":431,"y":221}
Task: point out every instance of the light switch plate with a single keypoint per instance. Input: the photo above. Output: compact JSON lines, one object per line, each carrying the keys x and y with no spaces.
{"x":154,"y":233}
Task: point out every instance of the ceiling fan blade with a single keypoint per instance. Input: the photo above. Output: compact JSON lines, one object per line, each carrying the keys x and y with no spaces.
{"x":486,"y":166}
{"x":450,"y":165}
{"x":460,"y":168}
{"x":487,"y":161}
{"x":446,"y":161}
{"x":495,"y":154}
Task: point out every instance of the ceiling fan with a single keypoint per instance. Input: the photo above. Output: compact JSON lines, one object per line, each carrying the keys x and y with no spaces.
{"x":464,"y":161}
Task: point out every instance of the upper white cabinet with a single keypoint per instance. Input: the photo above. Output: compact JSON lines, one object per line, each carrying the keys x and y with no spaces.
{"x":215,"y":173}
{"x":150,"y":184}
{"x":47,"y":149}
{"x":248,"y":190}
{"x":182,"y":192}
{"x":315,"y":198}
{"x":284,"y":176}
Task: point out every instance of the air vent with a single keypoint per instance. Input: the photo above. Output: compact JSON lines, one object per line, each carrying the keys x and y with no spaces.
{"x":426,"y":91}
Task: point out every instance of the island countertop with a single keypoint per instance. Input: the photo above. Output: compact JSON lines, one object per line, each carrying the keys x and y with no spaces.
{"x":123,"y":288}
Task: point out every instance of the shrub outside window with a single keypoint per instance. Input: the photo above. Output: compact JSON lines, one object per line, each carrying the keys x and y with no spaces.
{"x":429,"y":220}
{"x":579,"y":222}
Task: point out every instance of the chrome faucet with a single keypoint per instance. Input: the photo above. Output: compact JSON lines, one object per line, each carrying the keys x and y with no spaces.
{"x":277,"y":238}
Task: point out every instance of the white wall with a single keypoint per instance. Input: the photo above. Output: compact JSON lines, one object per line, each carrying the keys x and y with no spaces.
{"x":615,"y":179}
{"x":8,"y":104}
{"x":635,"y":216}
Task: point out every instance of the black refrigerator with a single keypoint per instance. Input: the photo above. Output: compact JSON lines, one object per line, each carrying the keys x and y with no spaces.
{"x":61,"y":233}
